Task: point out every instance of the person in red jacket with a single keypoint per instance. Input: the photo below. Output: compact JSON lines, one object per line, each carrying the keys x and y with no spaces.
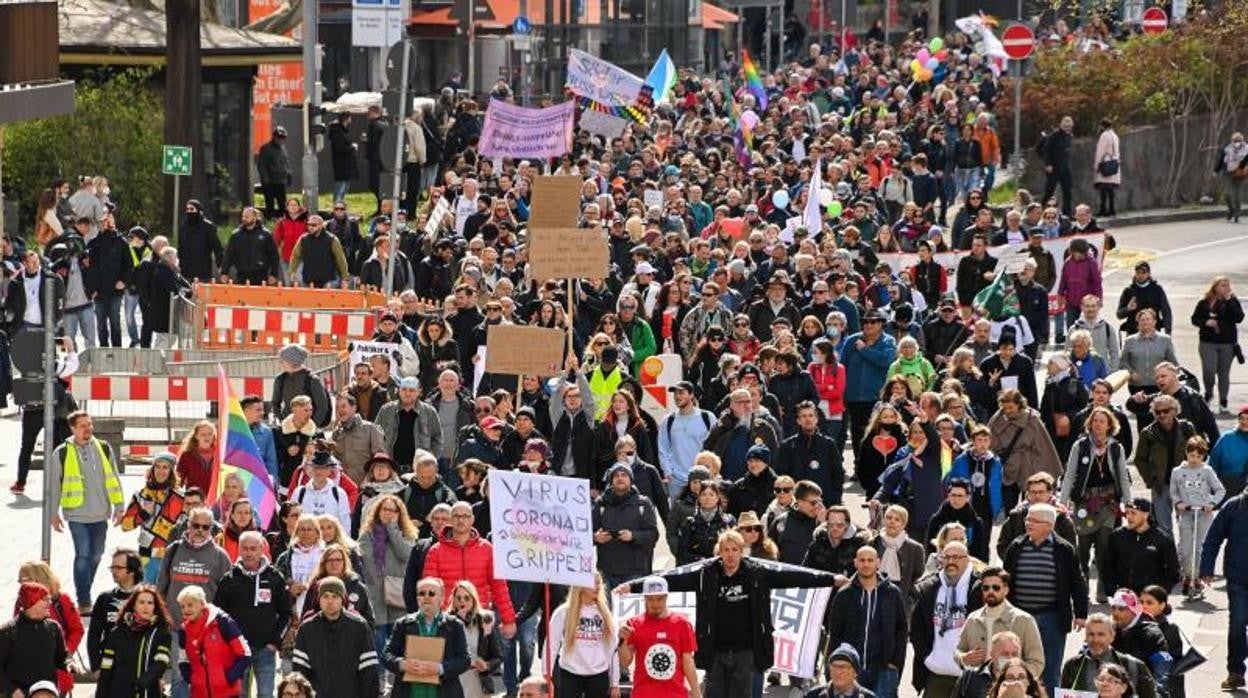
{"x":829,"y":376}
{"x":288,"y":229}
{"x":214,"y":653}
{"x":463,"y":554}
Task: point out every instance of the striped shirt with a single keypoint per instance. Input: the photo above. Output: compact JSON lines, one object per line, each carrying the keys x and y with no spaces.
{"x":1033,"y":576}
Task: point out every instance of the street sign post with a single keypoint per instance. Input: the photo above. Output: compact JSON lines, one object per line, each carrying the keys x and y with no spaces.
{"x":175,"y":160}
{"x":1019,"y":42}
{"x":1154,"y":21}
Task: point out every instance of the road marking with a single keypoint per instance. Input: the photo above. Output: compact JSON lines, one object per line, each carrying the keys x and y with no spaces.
{"x":1160,"y":254}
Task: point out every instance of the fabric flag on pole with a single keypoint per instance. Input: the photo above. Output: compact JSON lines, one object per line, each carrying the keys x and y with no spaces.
{"x":662,"y":77}
{"x":742,"y":138}
{"x":997,"y":300}
{"x":239,"y":455}
{"x":753,"y":80}
{"x":812,"y":216}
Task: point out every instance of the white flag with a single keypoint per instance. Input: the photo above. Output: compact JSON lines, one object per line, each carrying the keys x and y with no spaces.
{"x":812,"y":217}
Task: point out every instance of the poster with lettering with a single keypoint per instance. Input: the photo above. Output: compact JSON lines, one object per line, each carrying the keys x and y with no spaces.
{"x":568,"y":253}
{"x":542,"y":528}
{"x":360,"y":351}
{"x":275,"y":83}
{"x":796,"y":614}
{"x":512,"y":131}
{"x":602,"y":81}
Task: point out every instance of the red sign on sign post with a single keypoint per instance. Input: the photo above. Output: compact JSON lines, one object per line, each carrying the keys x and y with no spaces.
{"x":1154,"y":21}
{"x":1019,"y":41}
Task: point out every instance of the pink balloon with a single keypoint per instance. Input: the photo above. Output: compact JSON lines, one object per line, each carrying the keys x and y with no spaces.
{"x":923,"y":55}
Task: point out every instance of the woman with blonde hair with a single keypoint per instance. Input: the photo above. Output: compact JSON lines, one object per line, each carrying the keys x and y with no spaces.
{"x":583,"y":636}
{"x":232,"y":489}
{"x":336,"y":562}
{"x":387,"y":536}
{"x":298,"y":563}
{"x":61,"y":607}
{"x":483,"y":649}
{"x":332,"y":532}
{"x":199,"y":451}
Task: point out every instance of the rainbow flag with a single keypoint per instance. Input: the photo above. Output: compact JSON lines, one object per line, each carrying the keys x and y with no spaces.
{"x":239,"y":454}
{"x":742,"y":137}
{"x":753,"y":80}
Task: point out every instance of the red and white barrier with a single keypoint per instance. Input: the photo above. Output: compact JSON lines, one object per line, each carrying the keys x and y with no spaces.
{"x":346,"y":324}
{"x":163,"y":388}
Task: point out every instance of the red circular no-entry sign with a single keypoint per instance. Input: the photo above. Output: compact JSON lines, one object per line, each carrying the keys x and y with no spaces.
{"x":1019,"y":41}
{"x":1154,"y":21}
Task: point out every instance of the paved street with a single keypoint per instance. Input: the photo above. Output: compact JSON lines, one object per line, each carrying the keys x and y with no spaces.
{"x":1184,"y":257}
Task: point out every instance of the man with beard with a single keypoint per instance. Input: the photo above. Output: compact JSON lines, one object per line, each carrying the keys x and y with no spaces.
{"x":870,"y":615}
{"x":943,"y":602}
{"x":998,"y":615}
{"x":346,"y":228}
{"x":321,"y":255}
{"x":251,"y":254}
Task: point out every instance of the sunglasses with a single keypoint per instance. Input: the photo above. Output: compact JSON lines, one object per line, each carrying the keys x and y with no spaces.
{"x":751,"y":529}
{"x":781,"y":490}
{"x":740,"y":324}
{"x":201,"y":527}
{"x":710,"y":295}
{"x":426,"y":593}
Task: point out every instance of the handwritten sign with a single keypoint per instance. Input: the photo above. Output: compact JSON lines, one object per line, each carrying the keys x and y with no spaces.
{"x":600,"y":124}
{"x":602,"y":81}
{"x":556,"y":202}
{"x":519,"y":132}
{"x":542,"y":528}
{"x":568,"y":253}
{"x":796,"y":614}
{"x":519,"y":349}
{"x":360,"y":351}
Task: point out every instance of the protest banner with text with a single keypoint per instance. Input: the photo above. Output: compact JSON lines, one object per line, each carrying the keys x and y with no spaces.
{"x":543,"y":531}
{"x":512,"y":131}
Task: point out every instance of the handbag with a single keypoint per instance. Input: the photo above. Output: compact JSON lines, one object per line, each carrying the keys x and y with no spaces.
{"x":1190,"y":659}
{"x":1107,"y":167}
{"x":393,"y":591}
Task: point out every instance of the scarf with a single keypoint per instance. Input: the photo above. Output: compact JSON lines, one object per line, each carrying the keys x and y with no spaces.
{"x":951,"y":612}
{"x":381,"y":539}
{"x":708,"y":516}
{"x":891,"y":563}
{"x":138,"y":624}
{"x":1232,"y":155}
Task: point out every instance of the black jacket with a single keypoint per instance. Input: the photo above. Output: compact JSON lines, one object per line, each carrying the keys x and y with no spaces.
{"x":338,"y":656}
{"x":252,"y":254}
{"x":821,"y":555}
{"x":134,"y":661}
{"x":1056,"y":150}
{"x":760,"y":577}
{"x":15,"y":301}
{"x":576,"y":433}
{"x":697,"y":536}
{"x":1033,"y":301}
{"x":922,"y":628}
{"x":1150,"y":295}
{"x":816,"y":458}
{"x":634,"y":512}
{"x":1135,"y":560}
{"x":104,"y":615}
{"x":943,"y":338}
{"x":199,"y":249}
{"x":1065,"y":397}
{"x":30,"y":651}
{"x":1145,"y":641}
{"x":455,"y":659}
{"x":415,"y":570}
{"x":978,"y":531}
{"x":970,"y":276}
{"x":342,"y":153}
{"x":1021,"y":367}
{"x":257,"y":601}
{"x":873,"y":622}
{"x":1228,"y":314}
{"x":1070,"y":585}
{"x":110,"y":262}
{"x":166,"y":283}
{"x":792,"y":531}
{"x":752,"y":493}
{"x":791,"y":389}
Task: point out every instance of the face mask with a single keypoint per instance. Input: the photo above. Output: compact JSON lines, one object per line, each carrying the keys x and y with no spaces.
{"x":818,"y":359}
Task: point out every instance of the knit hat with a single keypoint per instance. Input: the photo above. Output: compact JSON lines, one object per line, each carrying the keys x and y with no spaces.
{"x":1125,"y":598}
{"x":165,"y":456}
{"x":699,"y":473}
{"x":1243,"y":409}
{"x":845,"y":652}
{"x":538,"y":445}
{"x":527,"y":411}
{"x":331,"y":585}
{"x":759,"y":452}
{"x":45,"y":685}
{"x":30,"y":594}
{"x":617,"y":468}
{"x":293,"y":354}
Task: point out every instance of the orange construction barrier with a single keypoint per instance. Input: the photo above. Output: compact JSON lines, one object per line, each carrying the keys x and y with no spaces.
{"x":287,"y":297}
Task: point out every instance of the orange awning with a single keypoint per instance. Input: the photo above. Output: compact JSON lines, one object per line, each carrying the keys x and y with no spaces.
{"x":504,"y":12}
{"x":715,"y":17}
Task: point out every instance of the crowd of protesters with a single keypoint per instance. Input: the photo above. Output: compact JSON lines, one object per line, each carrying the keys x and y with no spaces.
{"x":813,"y":363}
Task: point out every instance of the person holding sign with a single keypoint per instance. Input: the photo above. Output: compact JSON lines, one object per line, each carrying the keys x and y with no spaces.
{"x":582,"y":635}
{"x":428,"y":649}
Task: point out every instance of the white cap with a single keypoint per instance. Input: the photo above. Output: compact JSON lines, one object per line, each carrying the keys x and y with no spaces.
{"x":654,"y":586}
{"x":644,"y":268}
{"x":44,"y":685}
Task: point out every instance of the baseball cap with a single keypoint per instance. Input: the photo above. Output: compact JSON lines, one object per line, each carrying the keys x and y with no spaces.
{"x":645,"y":268}
{"x":1143,"y":504}
{"x":654,"y":586}
{"x":1125,"y":598}
{"x":410,"y":383}
{"x":682,"y":385}
{"x":492,"y":422}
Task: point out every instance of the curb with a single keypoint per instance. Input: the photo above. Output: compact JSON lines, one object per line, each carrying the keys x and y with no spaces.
{"x":1156,"y":216}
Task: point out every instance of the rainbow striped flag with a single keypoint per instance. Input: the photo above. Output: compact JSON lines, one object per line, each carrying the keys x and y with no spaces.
{"x":753,"y":80}
{"x":742,"y":137}
{"x":240,"y":455}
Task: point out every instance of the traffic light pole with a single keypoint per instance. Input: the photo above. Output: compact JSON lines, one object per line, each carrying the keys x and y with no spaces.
{"x":399,"y":161}
{"x":49,"y":413}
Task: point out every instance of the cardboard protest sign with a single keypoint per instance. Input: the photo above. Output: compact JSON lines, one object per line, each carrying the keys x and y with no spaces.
{"x":568,"y":253}
{"x":520,"y":349}
{"x":543,"y":531}
{"x":556,"y":203}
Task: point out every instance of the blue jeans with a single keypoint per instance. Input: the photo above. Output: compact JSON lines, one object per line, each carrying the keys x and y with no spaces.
{"x":523,"y":642}
{"x":108,"y":319}
{"x":1236,"y":642}
{"x":82,"y":319}
{"x":1059,"y":328}
{"x":88,"y":549}
{"x":966,"y":178}
{"x":263,"y":671}
{"x":990,"y":177}
{"x":1053,"y":637}
{"x":132,"y":318}
{"x":881,"y":682}
{"x":381,"y":635}
{"x":340,"y":190}
{"x":1163,"y":511}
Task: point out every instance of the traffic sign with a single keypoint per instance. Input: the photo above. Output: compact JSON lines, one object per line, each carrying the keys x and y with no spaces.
{"x":1154,"y":21}
{"x":175,"y":160}
{"x":1019,"y":41}
{"x":522,"y":25}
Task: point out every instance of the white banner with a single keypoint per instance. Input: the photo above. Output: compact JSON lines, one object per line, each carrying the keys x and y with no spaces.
{"x":439,"y":212}
{"x":360,"y":351}
{"x":796,"y":614}
{"x":1010,"y":254}
{"x":542,"y":528}
{"x":602,"y":81}
{"x":600,"y":124}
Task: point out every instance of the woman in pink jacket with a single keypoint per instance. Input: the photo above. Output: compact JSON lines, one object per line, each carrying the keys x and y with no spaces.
{"x":829,"y":376}
{"x":1081,"y":276}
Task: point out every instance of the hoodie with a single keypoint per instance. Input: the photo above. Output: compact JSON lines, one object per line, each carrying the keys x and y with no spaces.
{"x":874,"y":622}
{"x":258,"y":601}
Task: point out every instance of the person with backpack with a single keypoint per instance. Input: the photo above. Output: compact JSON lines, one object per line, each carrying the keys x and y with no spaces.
{"x":681,"y":435}
{"x":295,"y":380}
{"x":321,"y":496}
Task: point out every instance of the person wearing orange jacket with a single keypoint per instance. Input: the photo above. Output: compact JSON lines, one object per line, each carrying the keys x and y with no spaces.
{"x":989,"y":148}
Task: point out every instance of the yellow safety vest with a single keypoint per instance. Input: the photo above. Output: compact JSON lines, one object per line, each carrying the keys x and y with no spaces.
{"x":603,"y":387}
{"x":73,"y":486}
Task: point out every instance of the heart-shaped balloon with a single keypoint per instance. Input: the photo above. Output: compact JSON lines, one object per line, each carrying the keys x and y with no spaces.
{"x":884,"y":443}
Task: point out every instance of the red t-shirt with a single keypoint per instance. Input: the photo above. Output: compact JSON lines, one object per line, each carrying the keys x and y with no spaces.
{"x":659,"y":644}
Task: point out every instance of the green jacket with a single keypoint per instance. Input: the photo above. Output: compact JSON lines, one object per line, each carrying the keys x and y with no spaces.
{"x":1151,"y":457}
{"x":642,"y":340}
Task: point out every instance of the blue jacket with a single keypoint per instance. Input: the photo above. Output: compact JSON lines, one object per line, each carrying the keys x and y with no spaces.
{"x":263,"y":434}
{"x":1230,"y":454}
{"x":1230,"y":525}
{"x":1090,"y":368}
{"x":962,"y":468}
{"x":868,"y":368}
